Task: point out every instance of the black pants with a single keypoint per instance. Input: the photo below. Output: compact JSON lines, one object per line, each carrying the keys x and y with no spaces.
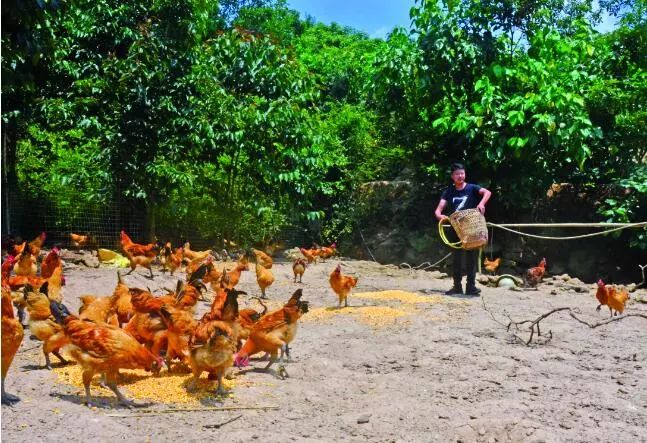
{"x":470,"y":258}
{"x":458,"y":257}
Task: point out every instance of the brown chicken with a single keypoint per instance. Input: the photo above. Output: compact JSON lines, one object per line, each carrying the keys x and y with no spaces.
{"x":147,"y":326}
{"x":492,"y":265}
{"x":222,"y":309}
{"x":298,"y":268}
{"x":115,"y":310}
{"x":172,"y":259}
{"x":248,"y":318}
{"x":25,"y":263}
{"x":140,"y":260}
{"x":50,"y":262}
{"x":214,"y":342}
{"x":534,"y":276}
{"x":342,"y":285}
{"x":272,"y":332}
{"x":231,"y":278}
{"x":213,"y":276}
{"x":614,"y":298}
{"x":196,"y":263}
{"x":136,"y":249}
{"x":82,"y":241}
{"x":105,"y":349}
{"x":262,"y":258}
{"x":310,"y":254}
{"x":17,"y":282}
{"x":193,"y":255}
{"x":43,"y":324}
{"x":36,"y":244}
{"x":180,"y":325}
{"x":264,"y":278}
{"x":326,"y":252}
{"x":12,"y":334}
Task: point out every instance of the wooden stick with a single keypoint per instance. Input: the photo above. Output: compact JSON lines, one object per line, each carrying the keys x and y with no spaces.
{"x":154,"y":412}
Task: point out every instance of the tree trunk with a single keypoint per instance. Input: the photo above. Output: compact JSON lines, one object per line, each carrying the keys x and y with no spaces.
{"x":150,"y":222}
{"x":9,"y":177}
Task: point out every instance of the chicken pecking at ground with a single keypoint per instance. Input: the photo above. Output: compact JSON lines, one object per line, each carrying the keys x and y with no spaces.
{"x":213,"y":342}
{"x":273,"y":332}
{"x":105,"y":349}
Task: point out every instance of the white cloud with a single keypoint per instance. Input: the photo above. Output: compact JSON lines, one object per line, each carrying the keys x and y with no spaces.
{"x":381,"y":32}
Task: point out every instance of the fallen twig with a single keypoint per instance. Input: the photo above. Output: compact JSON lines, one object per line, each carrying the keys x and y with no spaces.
{"x":219,"y":425}
{"x":535,"y":323}
{"x":607,"y":321}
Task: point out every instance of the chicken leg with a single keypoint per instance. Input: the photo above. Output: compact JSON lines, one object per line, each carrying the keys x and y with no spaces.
{"x":122,"y":400}
{"x":280,"y":372}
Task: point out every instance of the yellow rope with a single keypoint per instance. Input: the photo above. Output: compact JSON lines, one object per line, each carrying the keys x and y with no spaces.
{"x":574,"y":237}
{"x":441,"y":231}
{"x":458,"y":244}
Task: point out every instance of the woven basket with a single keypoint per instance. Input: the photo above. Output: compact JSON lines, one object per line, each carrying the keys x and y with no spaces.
{"x":470,"y":226}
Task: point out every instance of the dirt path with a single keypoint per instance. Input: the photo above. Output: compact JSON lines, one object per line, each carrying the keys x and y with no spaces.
{"x":420,"y":367}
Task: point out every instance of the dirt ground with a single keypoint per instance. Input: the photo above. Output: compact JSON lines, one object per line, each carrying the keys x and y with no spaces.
{"x":393,"y":367}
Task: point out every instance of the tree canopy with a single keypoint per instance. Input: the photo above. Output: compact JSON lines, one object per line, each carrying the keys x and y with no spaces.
{"x":239,"y":118}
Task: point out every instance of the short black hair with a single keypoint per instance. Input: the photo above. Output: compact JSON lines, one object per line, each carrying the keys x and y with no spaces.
{"x":456,"y":166}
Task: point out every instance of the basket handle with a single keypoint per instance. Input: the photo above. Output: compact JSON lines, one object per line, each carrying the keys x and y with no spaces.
{"x":441,"y":231}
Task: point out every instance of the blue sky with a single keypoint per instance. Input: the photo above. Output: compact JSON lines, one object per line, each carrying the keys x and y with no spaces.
{"x":375,"y":17}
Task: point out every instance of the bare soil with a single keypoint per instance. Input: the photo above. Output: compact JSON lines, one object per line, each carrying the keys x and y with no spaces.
{"x":431,"y":368}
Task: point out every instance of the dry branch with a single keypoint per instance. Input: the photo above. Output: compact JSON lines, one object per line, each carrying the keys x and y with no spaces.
{"x":534,"y":324}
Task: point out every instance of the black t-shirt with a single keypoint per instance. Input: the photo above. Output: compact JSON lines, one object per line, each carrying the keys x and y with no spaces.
{"x":467,"y":198}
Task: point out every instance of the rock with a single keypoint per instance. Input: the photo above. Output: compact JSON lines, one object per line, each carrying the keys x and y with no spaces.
{"x":363,"y":419}
{"x":553,"y":292}
{"x":576,"y":281}
{"x":437,"y":274}
{"x":632,"y":287}
{"x":80,"y":258}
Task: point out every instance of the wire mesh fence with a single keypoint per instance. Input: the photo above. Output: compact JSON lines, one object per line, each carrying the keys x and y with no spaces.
{"x":26,"y":217}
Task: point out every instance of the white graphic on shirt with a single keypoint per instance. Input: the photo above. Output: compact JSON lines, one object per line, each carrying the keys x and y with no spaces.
{"x":462,"y":201}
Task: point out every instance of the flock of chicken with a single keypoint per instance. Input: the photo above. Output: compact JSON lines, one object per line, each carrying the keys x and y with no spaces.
{"x":615,"y":298}
{"x":133,"y":329}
